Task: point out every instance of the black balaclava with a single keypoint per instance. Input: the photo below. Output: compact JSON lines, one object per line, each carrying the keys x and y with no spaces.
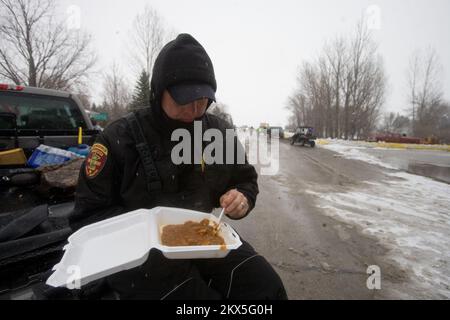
{"x":182,"y":60}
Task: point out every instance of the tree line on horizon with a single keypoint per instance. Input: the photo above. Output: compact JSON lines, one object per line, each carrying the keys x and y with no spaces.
{"x":341,"y":93}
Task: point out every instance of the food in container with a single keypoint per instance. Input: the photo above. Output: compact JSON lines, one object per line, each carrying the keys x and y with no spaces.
{"x":123,"y":242}
{"x":191,"y":233}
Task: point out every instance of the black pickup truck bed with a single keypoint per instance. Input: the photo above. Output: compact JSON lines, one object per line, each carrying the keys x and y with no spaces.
{"x":30,"y":117}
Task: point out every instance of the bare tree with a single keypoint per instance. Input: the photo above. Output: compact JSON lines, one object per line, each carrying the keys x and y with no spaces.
{"x":337,"y":57}
{"x":402,"y":124}
{"x":413,"y":75}
{"x":368,"y":83}
{"x":116,"y":94}
{"x":299,"y":110}
{"x":147,"y":38}
{"x":444,"y":123}
{"x":85,"y":100}
{"x":38,"y":51}
{"x":395,"y":123}
{"x":221,"y":110}
{"x":425,"y":91}
{"x":388,"y":122}
{"x":342,"y":91}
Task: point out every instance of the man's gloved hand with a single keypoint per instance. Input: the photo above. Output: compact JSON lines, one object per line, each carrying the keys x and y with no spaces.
{"x":235,"y":204}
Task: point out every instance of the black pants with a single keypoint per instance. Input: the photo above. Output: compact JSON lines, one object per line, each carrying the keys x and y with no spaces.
{"x":242,"y":274}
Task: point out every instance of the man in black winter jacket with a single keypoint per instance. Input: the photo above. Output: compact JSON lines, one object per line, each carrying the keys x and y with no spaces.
{"x":131,"y":166}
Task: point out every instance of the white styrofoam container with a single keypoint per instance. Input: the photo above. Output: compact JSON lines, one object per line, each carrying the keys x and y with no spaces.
{"x":123,"y":242}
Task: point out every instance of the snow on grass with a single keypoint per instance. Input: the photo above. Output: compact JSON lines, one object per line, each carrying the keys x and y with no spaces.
{"x":352,"y":150}
{"x":387,"y":145}
{"x":410,"y":215}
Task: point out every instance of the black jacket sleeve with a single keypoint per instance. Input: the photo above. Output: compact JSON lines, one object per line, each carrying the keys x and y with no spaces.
{"x":97,"y":188}
{"x":244,"y":177}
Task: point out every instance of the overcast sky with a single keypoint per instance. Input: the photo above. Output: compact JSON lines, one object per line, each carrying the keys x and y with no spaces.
{"x":257,"y":46}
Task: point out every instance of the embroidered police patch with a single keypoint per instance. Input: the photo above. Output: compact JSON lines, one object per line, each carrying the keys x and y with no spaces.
{"x":96,"y":160}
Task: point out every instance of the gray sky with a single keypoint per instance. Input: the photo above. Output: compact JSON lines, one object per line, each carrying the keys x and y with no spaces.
{"x":257,"y":46}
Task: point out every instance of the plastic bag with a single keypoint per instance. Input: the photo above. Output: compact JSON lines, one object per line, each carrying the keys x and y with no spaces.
{"x":46,"y":155}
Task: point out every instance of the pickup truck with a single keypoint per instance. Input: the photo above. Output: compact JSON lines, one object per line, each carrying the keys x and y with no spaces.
{"x":30,"y":117}
{"x":33,"y":116}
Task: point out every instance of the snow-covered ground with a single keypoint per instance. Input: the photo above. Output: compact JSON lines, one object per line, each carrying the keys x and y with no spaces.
{"x":352,"y":150}
{"x":409,"y":214}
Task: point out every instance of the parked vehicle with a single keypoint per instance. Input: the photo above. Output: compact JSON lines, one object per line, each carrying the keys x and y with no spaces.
{"x":32,"y":116}
{"x":394,"y":138}
{"x":272,"y":130}
{"x":304,"y":136}
{"x":33,"y":227}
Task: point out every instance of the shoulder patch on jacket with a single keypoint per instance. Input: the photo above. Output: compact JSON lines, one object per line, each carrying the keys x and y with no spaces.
{"x":96,"y":160}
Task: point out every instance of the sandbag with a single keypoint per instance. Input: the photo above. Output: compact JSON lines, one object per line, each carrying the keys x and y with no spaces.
{"x":61,"y":176}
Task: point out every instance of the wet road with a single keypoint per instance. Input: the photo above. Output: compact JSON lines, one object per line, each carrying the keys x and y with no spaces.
{"x":316,"y":256}
{"x":427,"y":163}
{"x":403,"y":158}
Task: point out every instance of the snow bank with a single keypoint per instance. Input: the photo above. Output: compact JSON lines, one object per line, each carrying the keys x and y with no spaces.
{"x":350,"y":150}
{"x":409,"y":214}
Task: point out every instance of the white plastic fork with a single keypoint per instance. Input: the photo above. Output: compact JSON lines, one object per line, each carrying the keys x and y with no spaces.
{"x":220,"y":218}
{"x":221,"y":215}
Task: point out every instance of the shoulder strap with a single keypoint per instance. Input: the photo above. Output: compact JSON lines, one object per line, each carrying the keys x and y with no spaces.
{"x":151,"y":173}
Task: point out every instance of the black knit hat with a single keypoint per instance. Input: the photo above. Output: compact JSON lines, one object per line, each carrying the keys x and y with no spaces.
{"x":181,"y":61}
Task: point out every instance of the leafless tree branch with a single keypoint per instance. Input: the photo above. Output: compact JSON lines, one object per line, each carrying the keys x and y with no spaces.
{"x":36,"y":50}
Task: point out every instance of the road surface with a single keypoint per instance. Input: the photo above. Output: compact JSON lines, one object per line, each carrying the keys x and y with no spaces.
{"x":320,"y":255}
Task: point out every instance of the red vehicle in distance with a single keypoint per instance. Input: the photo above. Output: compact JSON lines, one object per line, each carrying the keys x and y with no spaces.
{"x":394,"y":138}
